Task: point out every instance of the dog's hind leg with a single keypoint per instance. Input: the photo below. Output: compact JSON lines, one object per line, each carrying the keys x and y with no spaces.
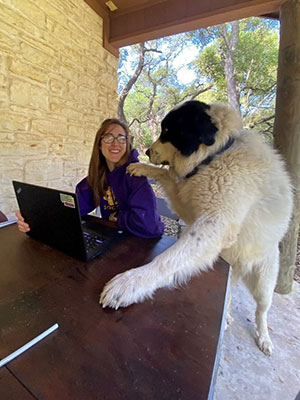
{"x":261,"y":283}
{"x":233,"y":281}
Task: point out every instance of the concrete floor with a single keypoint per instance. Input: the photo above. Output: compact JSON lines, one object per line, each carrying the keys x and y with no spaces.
{"x":245,"y":373}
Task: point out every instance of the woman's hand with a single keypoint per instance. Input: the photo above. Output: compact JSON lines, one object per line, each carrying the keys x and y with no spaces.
{"x":23,"y":226}
{"x":113,"y":217}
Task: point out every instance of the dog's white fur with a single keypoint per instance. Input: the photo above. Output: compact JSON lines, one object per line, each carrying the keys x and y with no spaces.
{"x":238,"y":206}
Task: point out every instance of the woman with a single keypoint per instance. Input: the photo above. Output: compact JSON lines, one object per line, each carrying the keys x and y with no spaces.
{"x":126,"y":199}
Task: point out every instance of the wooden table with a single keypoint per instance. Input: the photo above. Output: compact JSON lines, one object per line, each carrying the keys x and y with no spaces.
{"x":163,"y":349}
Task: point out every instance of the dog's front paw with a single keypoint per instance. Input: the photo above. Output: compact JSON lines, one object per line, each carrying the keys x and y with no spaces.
{"x":136,"y":169}
{"x":125,"y":289}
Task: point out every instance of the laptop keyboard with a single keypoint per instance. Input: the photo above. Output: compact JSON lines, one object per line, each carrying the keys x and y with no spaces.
{"x":92,"y":241}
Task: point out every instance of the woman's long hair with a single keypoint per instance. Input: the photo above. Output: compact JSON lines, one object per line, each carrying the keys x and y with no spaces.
{"x":98,"y":166}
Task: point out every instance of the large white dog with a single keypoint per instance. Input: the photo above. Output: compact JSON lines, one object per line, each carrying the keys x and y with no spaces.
{"x":233,"y":192}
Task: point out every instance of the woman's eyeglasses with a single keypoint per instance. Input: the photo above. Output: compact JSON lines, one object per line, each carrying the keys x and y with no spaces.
{"x":110,"y":138}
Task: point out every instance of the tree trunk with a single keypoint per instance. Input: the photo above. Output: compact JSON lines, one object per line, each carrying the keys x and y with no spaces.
{"x":231,"y":42}
{"x":131,"y":82}
{"x":287,"y":129}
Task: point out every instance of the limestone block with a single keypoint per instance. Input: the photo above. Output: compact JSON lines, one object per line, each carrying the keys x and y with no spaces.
{"x":61,"y":32}
{"x":86,"y":81}
{"x":46,"y":58}
{"x":76,"y":131}
{"x":95,"y":117}
{"x":51,"y":11}
{"x":71,"y":169}
{"x":57,"y":148}
{"x":11,"y":163}
{"x":72,"y":74}
{"x":8,"y":45}
{"x":43,"y":170}
{"x":91,"y":68}
{"x":88,"y":96}
{"x":6,"y":136}
{"x":7,"y":175}
{"x":49,"y":126}
{"x":73,"y":88}
{"x":16,"y":21}
{"x":68,"y":112}
{"x":58,"y":87}
{"x":93,"y":24}
{"x":29,"y":137}
{"x":13,"y":122}
{"x":90,"y":131}
{"x":79,"y":37}
{"x":64,"y":149}
{"x":83,"y":156}
{"x":7,"y":149}
{"x":110,"y":60}
{"x":9,"y":205}
{"x":39,"y":98}
{"x":70,"y":7}
{"x":30,"y":71}
{"x":32,"y":12}
{"x":7,"y":191}
{"x":64,"y":183}
{"x":28,"y":111}
{"x":3,"y":80}
{"x":72,"y":59}
{"x":3,"y":94}
{"x":2,"y":62}
{"x":20,"y":92}
{"x":96,"y":50}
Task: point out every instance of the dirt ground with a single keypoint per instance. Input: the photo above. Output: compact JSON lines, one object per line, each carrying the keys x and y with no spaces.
{"x":244,"y":372}
{"x":297,"y":272}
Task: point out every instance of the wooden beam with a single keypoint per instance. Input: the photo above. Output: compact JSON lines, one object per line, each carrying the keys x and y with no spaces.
{"x":287,"y":130}
{"x":174,"y":16}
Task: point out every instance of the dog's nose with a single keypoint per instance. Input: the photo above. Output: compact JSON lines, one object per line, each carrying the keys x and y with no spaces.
{"x":148,"y":152}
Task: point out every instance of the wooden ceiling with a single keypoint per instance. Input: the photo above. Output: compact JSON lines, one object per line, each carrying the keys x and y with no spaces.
{"x":135,"y":21}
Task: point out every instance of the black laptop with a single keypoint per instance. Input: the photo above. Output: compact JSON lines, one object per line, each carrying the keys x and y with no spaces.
{"x":54,"y":219}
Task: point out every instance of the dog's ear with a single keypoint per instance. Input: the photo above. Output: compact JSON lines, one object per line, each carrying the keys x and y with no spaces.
{"x":196,"y":127}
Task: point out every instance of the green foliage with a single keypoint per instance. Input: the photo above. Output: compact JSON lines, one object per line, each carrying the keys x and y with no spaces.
{"x":158,"y":88}
{"x":255,"y":65}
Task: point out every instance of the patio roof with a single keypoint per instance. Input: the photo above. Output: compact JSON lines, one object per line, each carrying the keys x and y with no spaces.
{"x":133,"y":21}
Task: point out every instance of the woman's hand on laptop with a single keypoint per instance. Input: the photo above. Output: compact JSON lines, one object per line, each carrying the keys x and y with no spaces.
{"x":23,"y":226}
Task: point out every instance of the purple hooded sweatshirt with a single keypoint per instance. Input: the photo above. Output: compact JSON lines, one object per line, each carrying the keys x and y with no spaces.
{"x":130,"y":197}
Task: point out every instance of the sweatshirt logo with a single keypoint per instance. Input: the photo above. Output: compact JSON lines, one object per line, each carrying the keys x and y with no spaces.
{"x":109,"y":197}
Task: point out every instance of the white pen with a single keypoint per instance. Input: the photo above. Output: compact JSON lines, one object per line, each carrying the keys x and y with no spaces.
{"x":26,"y":346}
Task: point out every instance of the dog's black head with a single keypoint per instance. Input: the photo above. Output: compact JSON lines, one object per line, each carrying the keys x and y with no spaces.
{"x":188,"y":126}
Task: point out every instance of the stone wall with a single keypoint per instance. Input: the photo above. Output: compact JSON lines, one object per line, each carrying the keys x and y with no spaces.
{"x":57,"y":83}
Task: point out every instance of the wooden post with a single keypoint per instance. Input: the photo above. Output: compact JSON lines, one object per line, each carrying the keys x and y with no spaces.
{"x":287,"y":129}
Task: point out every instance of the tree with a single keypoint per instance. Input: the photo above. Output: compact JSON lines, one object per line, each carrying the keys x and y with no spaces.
{"x":240,"y":60}
{"x":235,"y":63}
{"x":152,"y":88}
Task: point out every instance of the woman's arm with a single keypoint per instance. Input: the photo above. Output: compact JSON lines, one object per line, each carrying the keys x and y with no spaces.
{"x":85,"y":197}
{"x":140,"y":217}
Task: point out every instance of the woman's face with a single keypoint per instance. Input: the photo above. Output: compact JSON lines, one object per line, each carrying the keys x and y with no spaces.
{"x":113,"y":152}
